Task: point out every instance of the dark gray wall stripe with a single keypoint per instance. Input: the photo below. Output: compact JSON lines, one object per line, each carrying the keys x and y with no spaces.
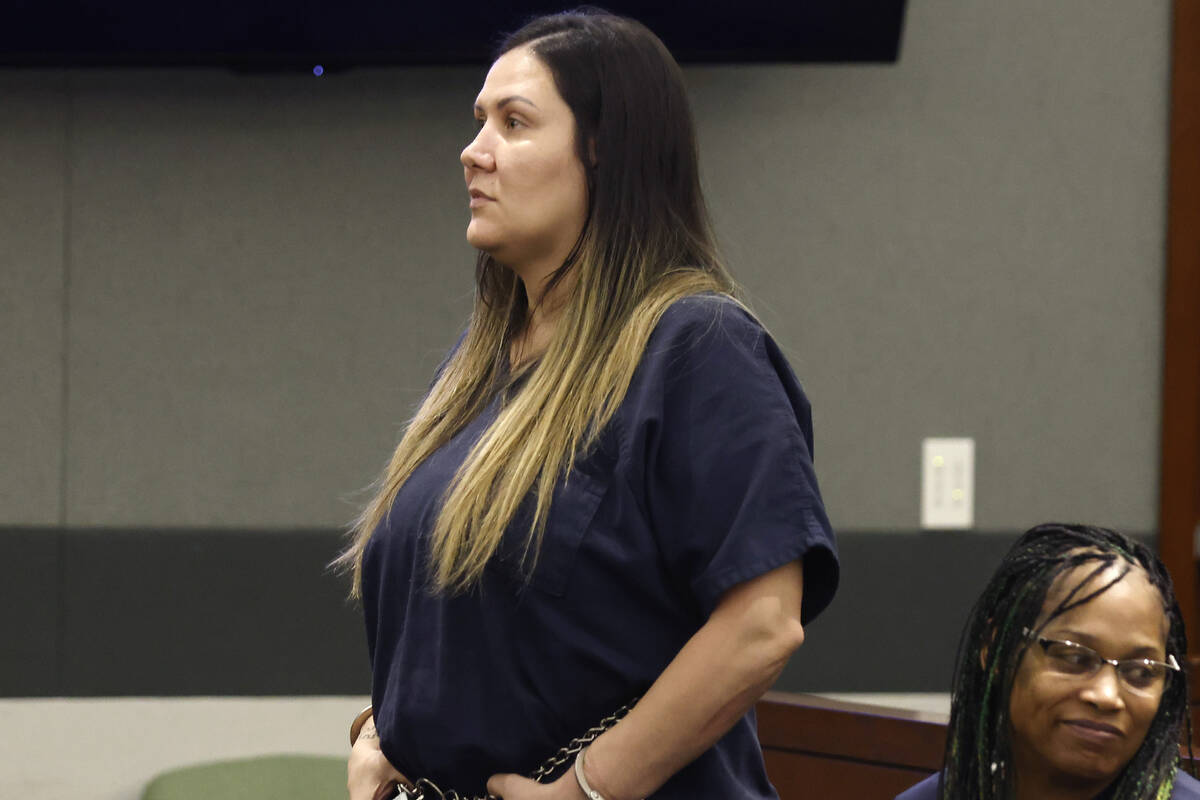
{"x":204,"y":612}
{"x":238,"y":612}
{"x":30,"y":603}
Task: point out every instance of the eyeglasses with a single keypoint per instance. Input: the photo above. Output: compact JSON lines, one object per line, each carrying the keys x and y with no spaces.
{"x":1071,"y":658}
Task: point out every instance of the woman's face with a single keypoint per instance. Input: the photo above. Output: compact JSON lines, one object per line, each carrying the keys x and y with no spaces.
{"x":1074,"y":731}
{"x":528,"y":189}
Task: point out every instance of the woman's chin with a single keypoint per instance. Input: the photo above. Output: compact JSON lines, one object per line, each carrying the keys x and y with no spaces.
{"x":1089,"y":771}
{"x":477,"y":233}
{"x":490,"y":246}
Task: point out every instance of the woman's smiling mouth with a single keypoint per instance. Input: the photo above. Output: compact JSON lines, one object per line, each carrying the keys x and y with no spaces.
{"x":1100,"y":732}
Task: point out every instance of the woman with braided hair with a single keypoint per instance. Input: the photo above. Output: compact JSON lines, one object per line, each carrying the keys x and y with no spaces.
{"x":1069,"y":683}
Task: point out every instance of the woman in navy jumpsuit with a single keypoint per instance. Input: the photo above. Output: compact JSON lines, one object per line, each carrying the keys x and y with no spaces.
{"x":682,"y":553}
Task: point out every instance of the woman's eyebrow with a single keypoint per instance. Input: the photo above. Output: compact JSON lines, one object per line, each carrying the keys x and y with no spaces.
{"x":502,"y":102}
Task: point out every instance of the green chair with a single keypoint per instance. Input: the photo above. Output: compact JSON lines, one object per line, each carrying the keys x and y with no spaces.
{"x":262,"y":778}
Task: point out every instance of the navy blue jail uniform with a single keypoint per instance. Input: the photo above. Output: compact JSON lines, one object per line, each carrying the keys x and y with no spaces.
{"x":702,"y":480}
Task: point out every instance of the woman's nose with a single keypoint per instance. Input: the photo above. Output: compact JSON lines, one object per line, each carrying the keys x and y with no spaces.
{"x":477,"y":154}
{"x":1103,"y":689}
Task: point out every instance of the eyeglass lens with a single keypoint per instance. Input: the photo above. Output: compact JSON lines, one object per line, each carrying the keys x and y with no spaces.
{"x":1075,"y":659}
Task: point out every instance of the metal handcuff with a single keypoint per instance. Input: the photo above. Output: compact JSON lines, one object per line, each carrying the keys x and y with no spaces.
{"x":425,"y":789}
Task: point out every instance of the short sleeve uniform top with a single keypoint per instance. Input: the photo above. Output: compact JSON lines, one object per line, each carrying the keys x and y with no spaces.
{"x":702,"y":480}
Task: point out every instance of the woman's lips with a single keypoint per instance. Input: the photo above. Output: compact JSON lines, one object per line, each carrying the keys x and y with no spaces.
{"x":478,"y":198}
{"x":1094,"y":731}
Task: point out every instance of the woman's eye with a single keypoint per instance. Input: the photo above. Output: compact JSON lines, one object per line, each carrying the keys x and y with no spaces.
{"x":512,"y":123}
{"x":1072,"y":659}
{"x":1140,"y":674}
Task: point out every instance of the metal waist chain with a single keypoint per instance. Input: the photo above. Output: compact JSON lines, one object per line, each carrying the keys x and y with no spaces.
{"x":425,"y":789}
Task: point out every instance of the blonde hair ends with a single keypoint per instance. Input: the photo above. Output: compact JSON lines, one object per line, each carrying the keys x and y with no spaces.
{"x":569,"y":397}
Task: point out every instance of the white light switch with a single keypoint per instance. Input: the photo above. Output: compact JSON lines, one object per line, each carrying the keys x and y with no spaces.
{"x":948,"y":483}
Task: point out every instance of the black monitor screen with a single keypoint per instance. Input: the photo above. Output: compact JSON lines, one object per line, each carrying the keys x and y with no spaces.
{"x":271,"y":34}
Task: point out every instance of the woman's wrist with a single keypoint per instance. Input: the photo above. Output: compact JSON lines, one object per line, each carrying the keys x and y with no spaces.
{"x":585,"y":786}
{"x":359,"y":721}
{"x":586,"y":780}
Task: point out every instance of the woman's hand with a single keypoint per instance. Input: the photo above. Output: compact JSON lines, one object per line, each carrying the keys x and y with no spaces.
{"x":515,"y":787}
{"x":368,"y":771}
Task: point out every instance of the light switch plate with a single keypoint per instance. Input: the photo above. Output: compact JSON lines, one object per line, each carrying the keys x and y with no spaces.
{"x":948,"y":483}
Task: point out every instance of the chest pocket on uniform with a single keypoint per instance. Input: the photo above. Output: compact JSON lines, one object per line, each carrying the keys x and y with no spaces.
{"x":571,"y":514}
{"x":572,"y":511}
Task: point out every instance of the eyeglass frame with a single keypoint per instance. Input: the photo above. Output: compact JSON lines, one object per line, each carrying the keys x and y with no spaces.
{"x":1171,"y":664}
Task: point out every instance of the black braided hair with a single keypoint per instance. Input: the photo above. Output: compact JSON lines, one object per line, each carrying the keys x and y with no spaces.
{"x":978,"y":741}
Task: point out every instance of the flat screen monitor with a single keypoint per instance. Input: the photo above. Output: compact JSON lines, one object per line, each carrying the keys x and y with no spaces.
{"x":341,"y":34}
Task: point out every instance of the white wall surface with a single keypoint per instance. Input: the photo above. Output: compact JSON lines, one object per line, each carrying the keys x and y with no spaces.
{"x":109,"y":749}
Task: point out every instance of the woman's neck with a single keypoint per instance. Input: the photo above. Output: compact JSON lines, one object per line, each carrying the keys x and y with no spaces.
{"x":545,"y":307}
{"x":1046,"y":787}
{"x":531,"y":341}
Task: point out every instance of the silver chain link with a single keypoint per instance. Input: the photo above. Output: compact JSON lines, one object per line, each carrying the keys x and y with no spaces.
{"x":428,"y":790}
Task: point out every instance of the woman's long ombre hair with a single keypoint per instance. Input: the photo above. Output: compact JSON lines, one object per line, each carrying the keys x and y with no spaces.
{"x":646,"y":242}
{"x":979,"y":740}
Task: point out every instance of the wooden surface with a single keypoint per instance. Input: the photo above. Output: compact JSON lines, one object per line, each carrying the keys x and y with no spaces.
{"x":1179,"y":484}
{"x":832,"y":750}
{"x":820,"y":748}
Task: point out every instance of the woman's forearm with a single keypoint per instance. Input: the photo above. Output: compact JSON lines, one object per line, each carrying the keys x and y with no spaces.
{"x":721,"y":671}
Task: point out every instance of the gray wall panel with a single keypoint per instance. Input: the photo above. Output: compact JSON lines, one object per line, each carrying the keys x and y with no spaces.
{"x":968,"y":243}
{"x":268,"y":271}
{"x":33,"y":114}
